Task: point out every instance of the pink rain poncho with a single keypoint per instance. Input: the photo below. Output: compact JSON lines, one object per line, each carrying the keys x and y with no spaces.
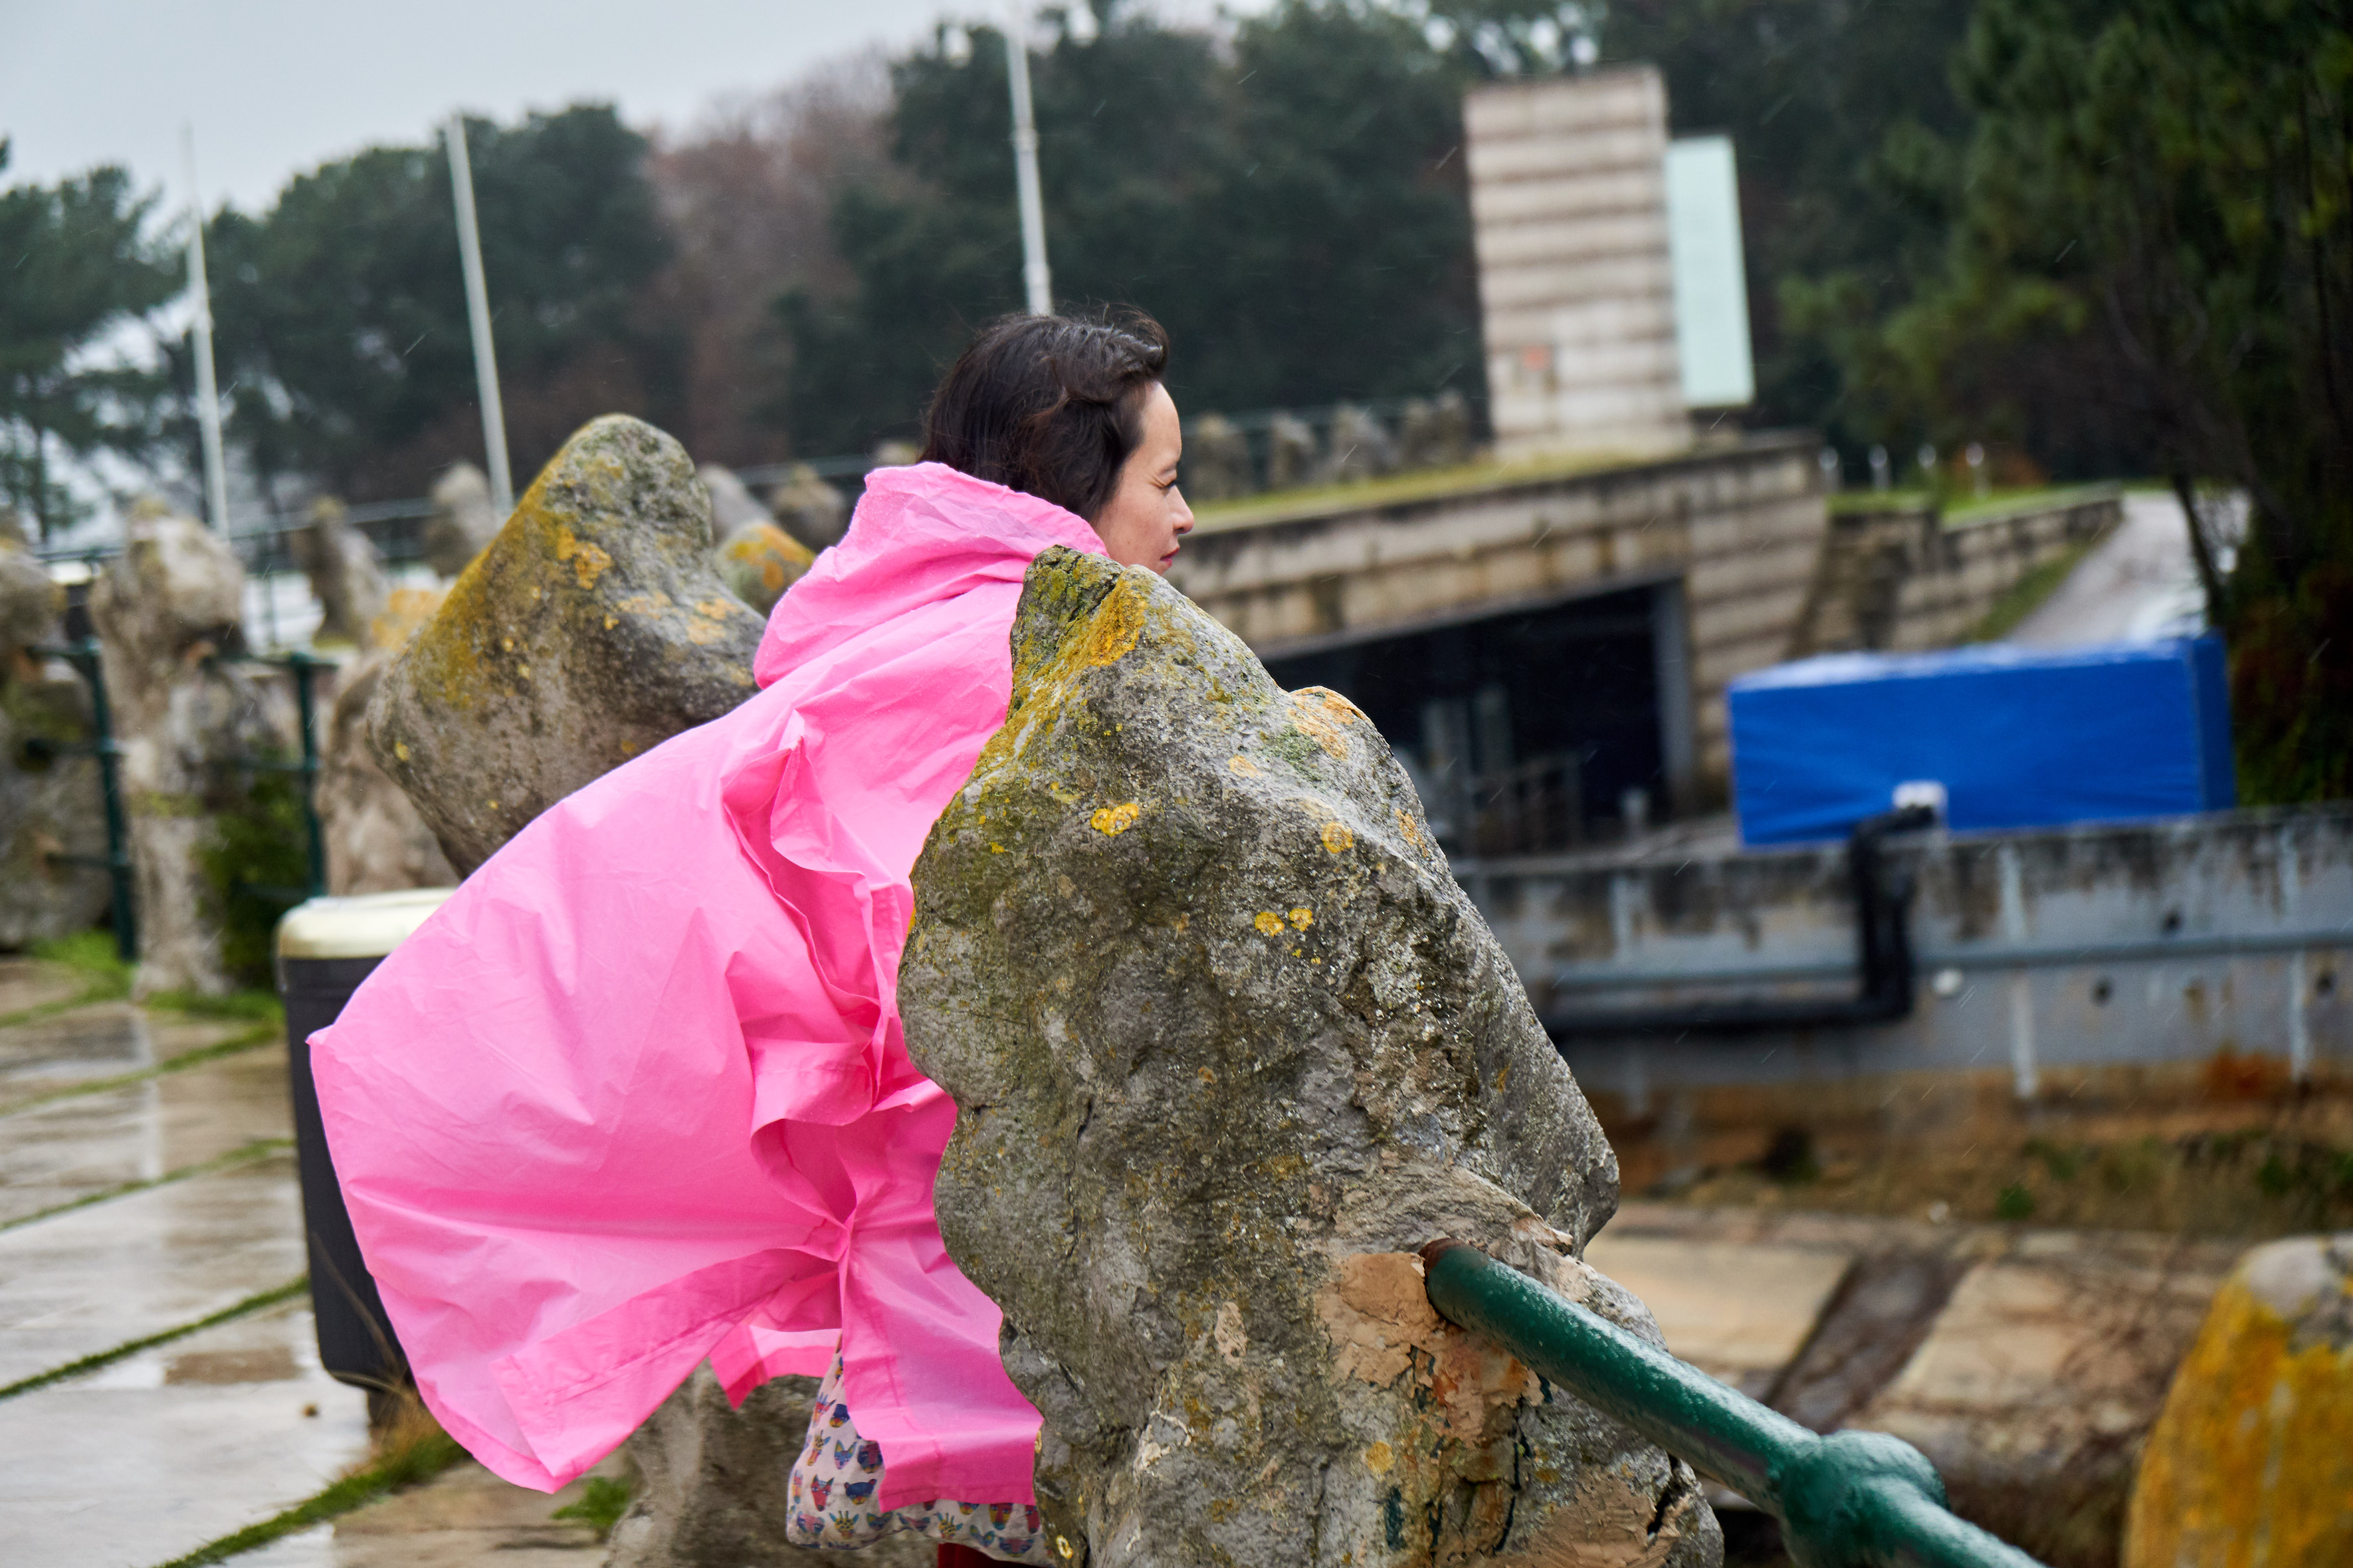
{"x":637,"y":1096}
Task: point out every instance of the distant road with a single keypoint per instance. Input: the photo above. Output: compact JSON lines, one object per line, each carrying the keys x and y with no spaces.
{"x":2140,"y":584}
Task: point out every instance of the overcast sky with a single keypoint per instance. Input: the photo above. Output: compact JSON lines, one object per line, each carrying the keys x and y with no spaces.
{"x":274,"y":86}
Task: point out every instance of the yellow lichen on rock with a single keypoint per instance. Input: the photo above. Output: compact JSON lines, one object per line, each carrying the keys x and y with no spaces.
{"x":1336,"y":838}
{"x":2251,"y":1463}
{"x":1115,"y":820}
{"x":1269,"y":923}
{"x":1243,"y":766}
{"x":589,"y":560}
{"x":1301,"y":917}
{"x":1116,"y":627}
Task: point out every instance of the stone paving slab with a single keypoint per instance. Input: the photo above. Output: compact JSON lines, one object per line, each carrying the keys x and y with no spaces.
{"x":72,"y":1149}
{"x":90,"y":1279}
{"x":28,"y":982}
{"x":102,"y":1040}
{"x":155,"y":1454}
{"x":1739,"y":1313}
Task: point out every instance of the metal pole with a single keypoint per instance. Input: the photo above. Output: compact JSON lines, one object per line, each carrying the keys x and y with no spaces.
{"x":478,"y":317}
{"x":304,"y":667}
{"x":208,"y":418}
{"x":1036,"y":278}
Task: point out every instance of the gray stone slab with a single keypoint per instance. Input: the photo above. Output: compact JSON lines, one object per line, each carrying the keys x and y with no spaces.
{"x":72,"y":1149}
{"x":95,"y":1278}
{"x":102,"y":1040}
{"x":157,"y":1455}
{"x":29,"y":983}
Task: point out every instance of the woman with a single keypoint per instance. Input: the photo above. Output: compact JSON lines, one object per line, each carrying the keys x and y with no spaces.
{"x":636,"y":1096}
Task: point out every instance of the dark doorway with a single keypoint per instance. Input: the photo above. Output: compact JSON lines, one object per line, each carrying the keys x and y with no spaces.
{"x":1526,"y":730}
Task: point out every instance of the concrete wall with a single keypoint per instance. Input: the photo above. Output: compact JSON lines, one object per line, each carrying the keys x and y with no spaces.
{"x":1569,"y":218}
{"x":2046,"y":959}
{"x":1740,"y":527}
{"x":1904,"y":578}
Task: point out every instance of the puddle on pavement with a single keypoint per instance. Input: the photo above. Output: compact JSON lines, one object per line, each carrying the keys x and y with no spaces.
{"x":272,"y":1363}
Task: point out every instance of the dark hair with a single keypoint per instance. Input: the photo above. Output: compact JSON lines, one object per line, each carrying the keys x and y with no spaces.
{"x":1048,"y":404}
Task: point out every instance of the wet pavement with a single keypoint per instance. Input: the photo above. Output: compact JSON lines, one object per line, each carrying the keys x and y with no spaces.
{"x":132,"y":1210}
{"x":152,"y":1457}
{"x":85,"y":1281}
{"x":71,"y":1150}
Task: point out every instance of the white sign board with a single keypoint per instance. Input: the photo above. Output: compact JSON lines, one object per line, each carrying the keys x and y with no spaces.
{"x":1711,"y":283}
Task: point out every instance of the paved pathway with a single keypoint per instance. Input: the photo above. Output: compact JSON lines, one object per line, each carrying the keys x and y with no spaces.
{"x":147,"y":1186}
{"x":2140,"y":584}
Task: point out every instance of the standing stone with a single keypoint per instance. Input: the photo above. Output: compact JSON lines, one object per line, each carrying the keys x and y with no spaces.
{"x":808,"y":509}
{"x":48,"y":802}
{"x":166,"y":609}
{"x":1293,"y":457}
{"x":1216,"y":460}
{"x":1361,"y":447}
{"x":732,"y":505}
{"x":2251,"y":1461}
{"x":346,"y":577}
{"x":376,"y":840}
{"x":592,"y":629}
{"x":1435,"y":432}
{"x":1229,"y":1045}
{"x":463,"y":522}
{"x":711,"y":1486}
{"x":758,"y":561}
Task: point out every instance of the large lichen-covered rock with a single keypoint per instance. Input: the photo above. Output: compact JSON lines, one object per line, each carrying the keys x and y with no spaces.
{"x":1229,"y":1045}
{"x":2252,"y":1460}
{"x":592,"y":629}
{"x":167,"y":609}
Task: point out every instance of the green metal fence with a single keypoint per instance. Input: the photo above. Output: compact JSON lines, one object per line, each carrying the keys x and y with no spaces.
{"x":1852,"y":1500}
{"x":88,"y":662}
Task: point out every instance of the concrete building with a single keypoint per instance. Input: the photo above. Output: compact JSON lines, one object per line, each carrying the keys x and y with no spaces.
{"x":1569,"y":208}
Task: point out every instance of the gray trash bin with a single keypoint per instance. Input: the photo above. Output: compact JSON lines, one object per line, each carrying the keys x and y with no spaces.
{"x":325,"y":947}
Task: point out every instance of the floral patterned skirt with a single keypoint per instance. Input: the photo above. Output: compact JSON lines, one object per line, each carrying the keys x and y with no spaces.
{"x":838,"y":1476}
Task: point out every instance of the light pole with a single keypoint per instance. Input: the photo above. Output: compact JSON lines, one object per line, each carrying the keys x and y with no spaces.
{"x":1036,"y":278}
{"x":478,"y":317}
{"x":208,"y":421}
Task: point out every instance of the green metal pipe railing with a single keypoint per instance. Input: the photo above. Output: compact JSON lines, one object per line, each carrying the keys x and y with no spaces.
{"x":1851,"y":1500}
{"x":86,"y":662}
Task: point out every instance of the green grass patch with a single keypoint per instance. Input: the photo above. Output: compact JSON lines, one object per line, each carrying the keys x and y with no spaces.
{"x":261,"y":1007}
{"x":2026,"y":595}
{"x":243,"y":1155}
{"x":602,"y":1503}
{"x":253,"y":1303}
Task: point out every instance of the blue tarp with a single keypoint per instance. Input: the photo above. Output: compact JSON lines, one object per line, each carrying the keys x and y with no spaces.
{"x":2017,"y":737}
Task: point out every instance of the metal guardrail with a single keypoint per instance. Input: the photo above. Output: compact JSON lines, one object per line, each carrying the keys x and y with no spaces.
{"x":87,"y":663}
{"x":304,"y":667}
{"x":1852,"y":1500}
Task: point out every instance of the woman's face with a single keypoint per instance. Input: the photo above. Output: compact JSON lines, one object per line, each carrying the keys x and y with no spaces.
{"x":1147,"y":514}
